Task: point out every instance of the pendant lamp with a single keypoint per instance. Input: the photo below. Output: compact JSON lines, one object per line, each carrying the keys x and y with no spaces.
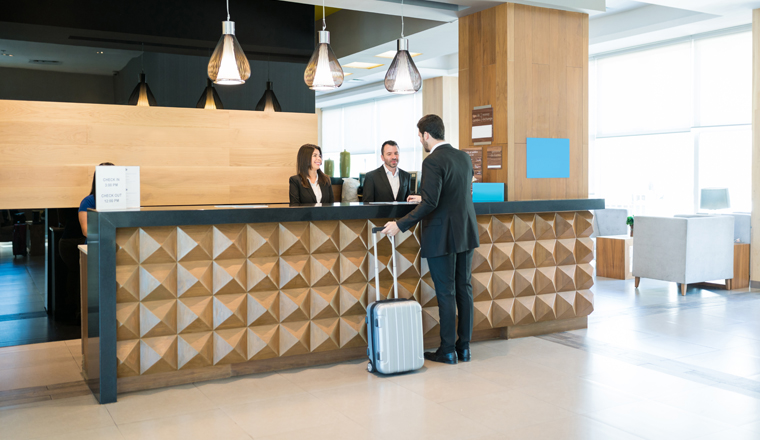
{"x":210,"y":99}
{"x":141,"y":96}
{"x":268,"y":101}
{"x":228,"y":64}
{"x":402,"y":77}
{"x":323,"y":71}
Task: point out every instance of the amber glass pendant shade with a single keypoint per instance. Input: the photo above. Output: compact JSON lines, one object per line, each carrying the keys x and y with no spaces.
{"x":402,"y":77}
{"x":142,"y":96}
{"x":268,"y":101}
{"x":228,"y":64}
{"x":323,"y":71}
{"x":209,"y":98}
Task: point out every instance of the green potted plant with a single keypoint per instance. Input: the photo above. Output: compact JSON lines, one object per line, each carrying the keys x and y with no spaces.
{"x":629,"y":222}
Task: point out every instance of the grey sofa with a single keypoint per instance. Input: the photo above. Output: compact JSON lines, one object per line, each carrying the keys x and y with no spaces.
{"x":684,"y":250}
{"x":610,"y":222}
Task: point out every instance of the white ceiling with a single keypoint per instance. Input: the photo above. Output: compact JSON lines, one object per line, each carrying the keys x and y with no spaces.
{"x":617,"y":25}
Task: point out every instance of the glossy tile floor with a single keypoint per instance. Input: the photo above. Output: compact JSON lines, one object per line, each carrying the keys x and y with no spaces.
{"x":651,"y":365}
{"x":23,"y":319}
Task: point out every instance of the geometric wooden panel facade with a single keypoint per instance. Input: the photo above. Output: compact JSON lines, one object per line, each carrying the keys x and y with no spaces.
{"x":197,"y":296}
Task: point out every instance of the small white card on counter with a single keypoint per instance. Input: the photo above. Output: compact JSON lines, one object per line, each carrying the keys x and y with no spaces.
{"x":117,"y":188}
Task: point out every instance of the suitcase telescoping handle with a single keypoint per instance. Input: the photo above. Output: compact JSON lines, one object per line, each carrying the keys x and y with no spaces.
{"x":377,"y":270}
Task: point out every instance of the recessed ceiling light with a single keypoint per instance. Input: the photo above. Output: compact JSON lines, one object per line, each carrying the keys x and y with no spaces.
{"x":360,"y":65}
{"x":100,"y":52}
{"x":392,"y":53}
{"x":6,"y":54}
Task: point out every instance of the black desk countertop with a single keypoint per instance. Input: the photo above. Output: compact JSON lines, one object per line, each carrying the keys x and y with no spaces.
{"x":189,"y":215}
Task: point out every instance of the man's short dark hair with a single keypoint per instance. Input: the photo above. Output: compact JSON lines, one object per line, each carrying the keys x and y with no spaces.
{"x":382,"y":149}
{"x":432,"y":125}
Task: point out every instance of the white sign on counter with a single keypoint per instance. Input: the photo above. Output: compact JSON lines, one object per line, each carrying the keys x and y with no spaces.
{"x":117,"y":188}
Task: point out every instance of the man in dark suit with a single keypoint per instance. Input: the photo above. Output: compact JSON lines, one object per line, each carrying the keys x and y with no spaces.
{"x":389,"y":183}
{"x":449,"y":235}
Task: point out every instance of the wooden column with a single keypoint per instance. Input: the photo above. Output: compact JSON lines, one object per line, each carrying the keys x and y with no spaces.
{"x":755,"y":237}
{"x":440,"y":96}
{"x":531,"y":66}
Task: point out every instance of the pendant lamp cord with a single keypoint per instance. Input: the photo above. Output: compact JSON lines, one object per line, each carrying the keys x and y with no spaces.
{"x":402,"y":18}
{"x":324,"y":21}
{"x":228,"y":10}
{"x":142,"y":58}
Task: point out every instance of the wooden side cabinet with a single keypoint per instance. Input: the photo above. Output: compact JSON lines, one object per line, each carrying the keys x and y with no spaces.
{"x":613,"y":257}
{"x":741,"y":267}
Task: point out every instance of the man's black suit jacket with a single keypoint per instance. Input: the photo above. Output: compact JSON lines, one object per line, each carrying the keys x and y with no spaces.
{"x":446,"y":212}
{"x":300,"y":195}
{"x":377,"y":188}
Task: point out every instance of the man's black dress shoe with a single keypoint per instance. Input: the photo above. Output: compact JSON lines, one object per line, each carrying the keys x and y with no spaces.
{"x":464,"y":355}
{"x":448,"y":358}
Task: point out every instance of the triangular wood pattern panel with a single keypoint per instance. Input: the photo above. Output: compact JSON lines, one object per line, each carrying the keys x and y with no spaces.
{"x":229,"y":242}
{"x":502,"y":284}
{"x":158,"y":355}
{"x":263,"y":341}
{"x":584,"y":303}
{"x":128,"y":356}
{"x":353,"y":331}
{"x":127,"y":283}
{"x":263,"y":240}
{"x":195,"y":350}
{"x":543,"y":253}
{"x":584,"y":250}
{"x":484,"y":229}
{"x":294,"y":238}
{"x":564,"y":252}
{"x":325,"y":334}
{"x":564,"y":225}
{"x":481,"y":286}
{"x":544,"y":227}
{"x":545,"y":307}
{"x":501,"y":255}
{"x":262,"y":273}
{"x":263,"y":308}
{"x":482,"y":315}
{"x":481,"y":258}
{"x":324,"y":237}
{"x":194,"y":278}
{"x":220,"y":294}
{"x":501,"y":228}
{"x":158,"y":245}
{"x":194,"y":243}
{"x":503,"y":312}
{"x":522,"y":227}
{"x":127,"y":246}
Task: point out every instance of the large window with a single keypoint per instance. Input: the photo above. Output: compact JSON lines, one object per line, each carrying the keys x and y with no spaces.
{"x":362,"y":128}
{"x":667,"y":121}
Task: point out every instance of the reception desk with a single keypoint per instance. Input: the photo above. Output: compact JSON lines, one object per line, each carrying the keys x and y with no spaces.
{"x":184,"y":294}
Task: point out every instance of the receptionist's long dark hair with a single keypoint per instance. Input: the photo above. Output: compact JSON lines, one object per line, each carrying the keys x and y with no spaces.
{"x":304,"y":163}
{"x":104,"y":164}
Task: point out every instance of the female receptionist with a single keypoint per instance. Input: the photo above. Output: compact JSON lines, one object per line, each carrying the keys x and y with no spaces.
{"x":310,"y":185}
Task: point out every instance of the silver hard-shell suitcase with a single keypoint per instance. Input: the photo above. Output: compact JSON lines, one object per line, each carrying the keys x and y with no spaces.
{"x":394,"y":327}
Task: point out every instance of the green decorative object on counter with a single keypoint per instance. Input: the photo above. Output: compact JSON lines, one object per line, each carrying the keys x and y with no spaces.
{"x":329,"y":167}
{"x":345,"y":164}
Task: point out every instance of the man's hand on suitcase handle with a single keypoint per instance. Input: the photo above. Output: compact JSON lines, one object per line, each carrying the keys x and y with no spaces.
{"x":391,"y":229}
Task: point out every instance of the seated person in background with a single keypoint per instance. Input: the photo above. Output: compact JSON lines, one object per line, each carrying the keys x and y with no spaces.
{"x":389,"y":183}
{"x":74,"y":235}
{"x":310,"y":185}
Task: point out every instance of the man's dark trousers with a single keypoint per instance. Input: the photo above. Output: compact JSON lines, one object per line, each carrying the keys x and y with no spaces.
{"x":451,"y":274}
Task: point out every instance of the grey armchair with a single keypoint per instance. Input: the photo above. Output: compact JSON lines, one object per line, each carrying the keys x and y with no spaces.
{"x":610,"y":222}
{"x":684,"y":249}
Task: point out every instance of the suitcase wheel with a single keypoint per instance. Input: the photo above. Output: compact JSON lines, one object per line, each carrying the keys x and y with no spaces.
{"x":370,"y":368}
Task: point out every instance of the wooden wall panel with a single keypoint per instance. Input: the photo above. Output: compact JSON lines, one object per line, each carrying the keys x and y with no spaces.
{"x":537,"y":85}
{"x":187,"y":156}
